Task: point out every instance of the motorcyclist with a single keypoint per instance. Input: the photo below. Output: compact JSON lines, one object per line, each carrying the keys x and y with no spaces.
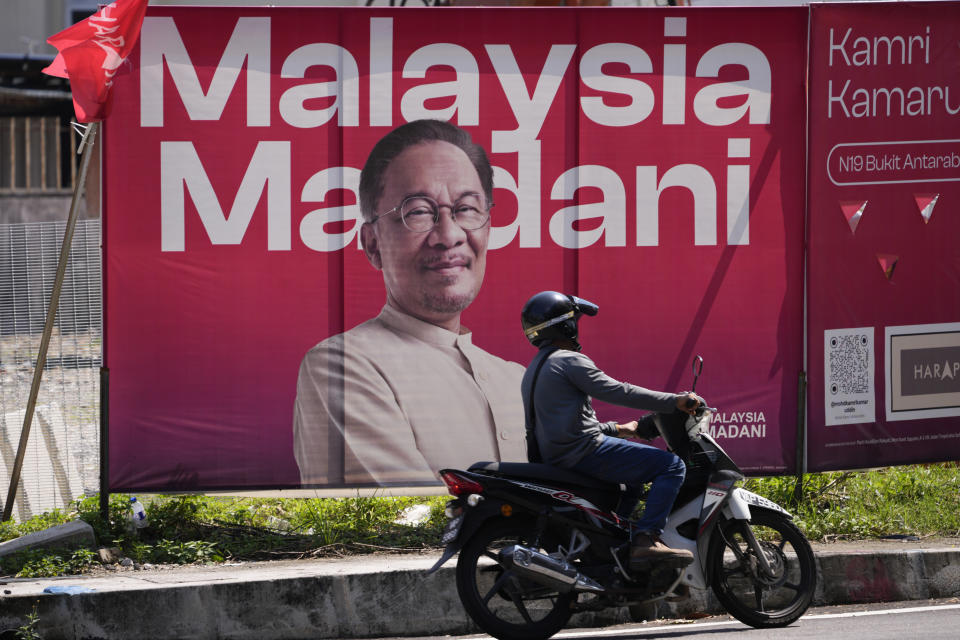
{"x":563,"y":429}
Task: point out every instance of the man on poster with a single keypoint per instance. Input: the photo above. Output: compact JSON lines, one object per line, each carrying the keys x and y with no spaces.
{"x":407,"y":391}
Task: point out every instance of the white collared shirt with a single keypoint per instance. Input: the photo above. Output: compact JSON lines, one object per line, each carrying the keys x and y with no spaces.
{"x":395,"y":399}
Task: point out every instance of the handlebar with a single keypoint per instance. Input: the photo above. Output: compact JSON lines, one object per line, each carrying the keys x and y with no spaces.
{"x":700,"y":405}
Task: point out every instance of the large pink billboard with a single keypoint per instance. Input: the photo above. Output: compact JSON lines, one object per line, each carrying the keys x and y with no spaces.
{"x":884,"y":264}
{"x":266,"y":329}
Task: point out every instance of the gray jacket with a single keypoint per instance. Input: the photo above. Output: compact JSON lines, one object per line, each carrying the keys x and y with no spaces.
{"x":567,"y":427}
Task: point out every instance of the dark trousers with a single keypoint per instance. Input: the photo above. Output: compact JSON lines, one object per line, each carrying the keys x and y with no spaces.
{"x":634,"y":464}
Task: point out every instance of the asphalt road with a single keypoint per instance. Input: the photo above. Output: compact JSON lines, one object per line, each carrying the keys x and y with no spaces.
{"x":927,"y":620}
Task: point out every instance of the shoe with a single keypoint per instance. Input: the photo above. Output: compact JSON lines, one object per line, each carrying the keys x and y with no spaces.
{"x":649,"y":549}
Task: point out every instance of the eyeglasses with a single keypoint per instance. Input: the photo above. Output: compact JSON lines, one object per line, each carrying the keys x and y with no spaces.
{"x":421,"y":213}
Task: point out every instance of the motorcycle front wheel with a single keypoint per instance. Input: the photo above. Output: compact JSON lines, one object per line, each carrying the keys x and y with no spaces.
{"x":755,"y":597}
{"x":501,"y":602}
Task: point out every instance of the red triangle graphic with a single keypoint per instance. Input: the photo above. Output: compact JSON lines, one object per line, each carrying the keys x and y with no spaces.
{"x":925,"y":204}
{"x":853,"y":211}
{"x":888,"y":262}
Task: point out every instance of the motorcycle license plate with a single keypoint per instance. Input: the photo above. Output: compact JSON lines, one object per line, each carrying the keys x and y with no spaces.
{"x":452,"y":529}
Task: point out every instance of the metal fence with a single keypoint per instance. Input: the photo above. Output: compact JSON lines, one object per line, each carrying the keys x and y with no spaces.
{"x":62,"y":459}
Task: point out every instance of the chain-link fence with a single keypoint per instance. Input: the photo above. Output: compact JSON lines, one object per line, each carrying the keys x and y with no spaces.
{"x":62,"y":459}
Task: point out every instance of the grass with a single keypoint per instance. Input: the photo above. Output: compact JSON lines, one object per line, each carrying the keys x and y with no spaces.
{"x":200,"y":529}
{"x":919,"y":500}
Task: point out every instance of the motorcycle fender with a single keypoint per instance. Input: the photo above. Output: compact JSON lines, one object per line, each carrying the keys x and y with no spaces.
{"x":716,"y":499}
{"x":737,"y":507}
{"x":473,"y":519}
{"x":448,"y":553}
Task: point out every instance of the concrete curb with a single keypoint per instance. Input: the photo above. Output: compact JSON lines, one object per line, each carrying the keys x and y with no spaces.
{"x":380,"y":596}
{"x":70,"y":535}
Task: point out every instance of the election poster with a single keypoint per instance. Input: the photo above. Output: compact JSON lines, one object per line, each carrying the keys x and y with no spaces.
{"x":884,"y":263}
{"x":312,"y":279}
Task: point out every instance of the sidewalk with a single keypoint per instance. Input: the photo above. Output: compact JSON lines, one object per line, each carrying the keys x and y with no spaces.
{"x":370,"y":596}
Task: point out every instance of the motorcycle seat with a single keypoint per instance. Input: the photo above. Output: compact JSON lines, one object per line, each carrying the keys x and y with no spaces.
{"x":545,"y":473}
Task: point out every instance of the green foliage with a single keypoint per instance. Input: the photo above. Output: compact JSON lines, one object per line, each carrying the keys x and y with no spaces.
{"x":140,"y":552}
{"x":919,"y":500}
{"x":367,"y":521}
{"x":88,"y":510}
{"x":922,"y":500}
{"x":9,"y":530}
{"x":45,"y":521}
{"x":192,"y":528}
{"x":47,"y":563}
{"x":186,"y":552}
{"x":28,"y":630}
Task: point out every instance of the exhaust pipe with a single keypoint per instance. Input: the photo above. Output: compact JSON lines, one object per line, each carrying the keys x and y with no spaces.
{"x":548,"y":571}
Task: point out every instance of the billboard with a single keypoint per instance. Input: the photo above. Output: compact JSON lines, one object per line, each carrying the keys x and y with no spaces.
{"x":261,"y":333}
{"x":884,"y":269}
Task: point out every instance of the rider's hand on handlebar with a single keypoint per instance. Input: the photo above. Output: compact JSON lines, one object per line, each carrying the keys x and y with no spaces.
{"x":627,"y":430}
{"x":688,"y":403}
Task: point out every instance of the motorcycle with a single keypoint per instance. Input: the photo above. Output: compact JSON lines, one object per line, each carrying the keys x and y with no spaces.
{"x":538,"y":543}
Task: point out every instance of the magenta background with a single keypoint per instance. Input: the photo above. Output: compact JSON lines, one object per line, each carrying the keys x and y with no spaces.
{"x":203,"y":345}
{"x":847,"y":287}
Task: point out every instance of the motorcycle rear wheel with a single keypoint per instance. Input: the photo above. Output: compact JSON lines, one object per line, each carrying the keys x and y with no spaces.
{"x":759,"y":600}
{"x":503,"y":604}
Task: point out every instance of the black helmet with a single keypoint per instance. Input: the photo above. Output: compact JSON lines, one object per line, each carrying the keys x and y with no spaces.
{"x":552,"y":315}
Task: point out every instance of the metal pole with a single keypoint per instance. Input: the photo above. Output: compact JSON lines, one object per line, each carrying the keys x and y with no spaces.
{"x":105,"y":445}
{"x":801,"y":436}
{"x":86,"y":146}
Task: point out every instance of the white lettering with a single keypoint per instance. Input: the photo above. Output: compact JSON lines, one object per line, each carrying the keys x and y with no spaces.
{"x":611,"y":210}
{"x":250,"y":42}
{"x":880,"y":49}
{"x":617,"y":101}
{"x":756,"y":88}
{"x":502,"y":236}
{"x":674,"y":73}
{"x":839,"y":98}
{"x":738,"y":193}
{"x":465,"y":89}
{"x":345,"y":89}
{"x":381,"y":71}
{"x":640,"y":93}
{"x":315,"y":190}
{"x":530,"y":111}
{"x":526,"y":188}
{"x":841,"y":47}
{"x":181,"y":169}
{"x":690,"y":176}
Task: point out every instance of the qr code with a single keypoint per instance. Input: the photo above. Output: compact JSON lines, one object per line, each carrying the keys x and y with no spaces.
{"x":849,"y":364}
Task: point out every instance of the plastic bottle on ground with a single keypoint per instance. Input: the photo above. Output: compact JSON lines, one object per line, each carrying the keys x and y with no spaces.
{"x":138,"y":515}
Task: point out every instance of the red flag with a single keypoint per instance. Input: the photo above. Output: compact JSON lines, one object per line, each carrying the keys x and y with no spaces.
{"x":91,"y":51}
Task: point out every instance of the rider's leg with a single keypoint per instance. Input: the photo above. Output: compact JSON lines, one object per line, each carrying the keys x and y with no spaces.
{"x":635,"y":464}
{"x":663,"y":492}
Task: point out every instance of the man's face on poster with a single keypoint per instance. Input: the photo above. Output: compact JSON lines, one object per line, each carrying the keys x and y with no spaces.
{"x":436,"y":274}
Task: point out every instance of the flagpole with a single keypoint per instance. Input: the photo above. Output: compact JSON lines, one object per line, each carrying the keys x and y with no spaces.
{"x":85,"y":149}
